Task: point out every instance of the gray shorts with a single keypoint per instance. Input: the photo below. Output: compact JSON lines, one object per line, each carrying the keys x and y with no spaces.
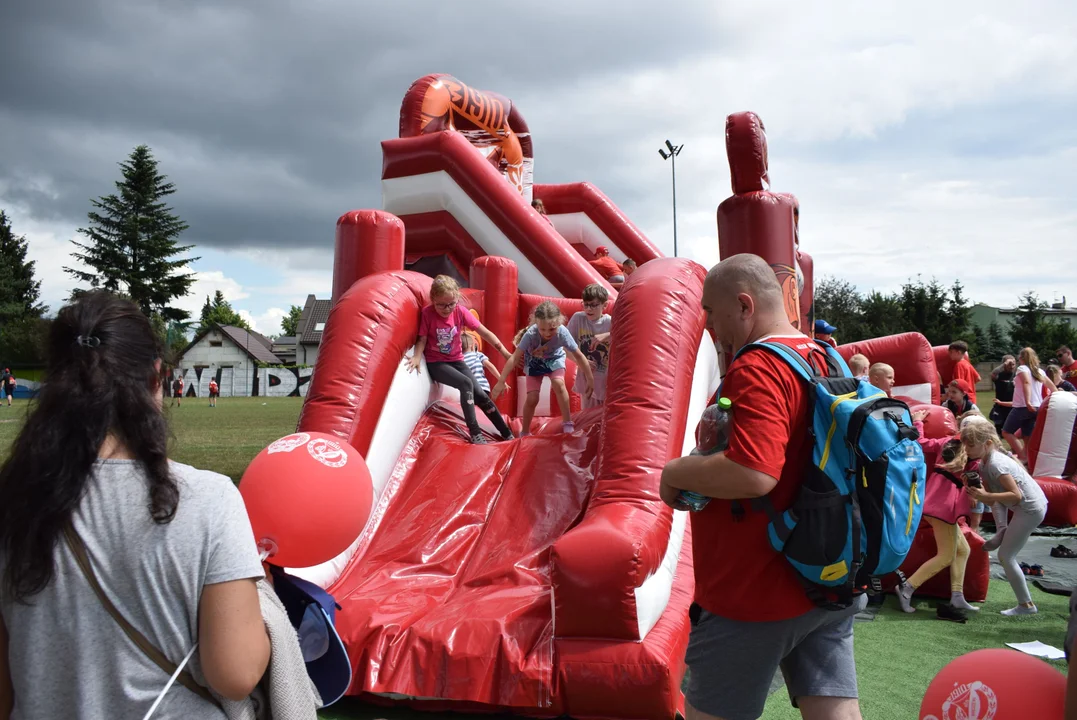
{"x":732,"y":663}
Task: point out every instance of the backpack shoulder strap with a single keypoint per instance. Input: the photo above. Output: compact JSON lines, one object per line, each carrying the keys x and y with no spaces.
{"x":834,"y":361}
{"x":801,"y":366}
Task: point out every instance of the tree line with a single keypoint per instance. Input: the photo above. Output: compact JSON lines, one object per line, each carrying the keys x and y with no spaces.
{"x":941,"y":314}
{"x":130,"y":247}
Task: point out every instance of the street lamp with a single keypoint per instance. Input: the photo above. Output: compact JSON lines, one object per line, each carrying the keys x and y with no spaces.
{"x":670,"y":152}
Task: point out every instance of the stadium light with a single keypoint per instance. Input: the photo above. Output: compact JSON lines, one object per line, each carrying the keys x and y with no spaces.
{"x":671,"y":155}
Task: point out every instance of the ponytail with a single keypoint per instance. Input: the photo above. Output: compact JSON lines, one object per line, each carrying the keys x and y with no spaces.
{"x":100,"y":380}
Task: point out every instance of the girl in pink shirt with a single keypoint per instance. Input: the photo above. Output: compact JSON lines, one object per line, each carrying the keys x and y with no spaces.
{"x":440,"y":326}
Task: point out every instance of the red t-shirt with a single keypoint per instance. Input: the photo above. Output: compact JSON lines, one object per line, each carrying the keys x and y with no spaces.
{"x":1069,"y":372}
{"x":965,"y":371}
{"x":738,"y":574}
{"x":607,"y":266}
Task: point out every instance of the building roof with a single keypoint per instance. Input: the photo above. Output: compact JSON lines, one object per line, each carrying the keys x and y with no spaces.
{"x":312,"y":321}
{"x":255,"y":345}
{"x":285,"y":340}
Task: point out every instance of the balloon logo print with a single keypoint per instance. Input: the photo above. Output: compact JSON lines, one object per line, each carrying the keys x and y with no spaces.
{"x":289,"y":443}
{"x":972,"y":701}
{"x":328,"y":453}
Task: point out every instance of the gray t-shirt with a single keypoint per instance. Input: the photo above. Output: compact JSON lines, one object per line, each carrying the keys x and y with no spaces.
{"x":69,"y":658}
{"x":999,"y":463}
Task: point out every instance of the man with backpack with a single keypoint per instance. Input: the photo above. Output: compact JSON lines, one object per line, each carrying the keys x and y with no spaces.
{"x":752,"y":614}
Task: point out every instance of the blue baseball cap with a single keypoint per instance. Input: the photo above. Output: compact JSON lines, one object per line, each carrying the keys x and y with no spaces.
{"x":312,"y":612}
{"x":822,"y":326}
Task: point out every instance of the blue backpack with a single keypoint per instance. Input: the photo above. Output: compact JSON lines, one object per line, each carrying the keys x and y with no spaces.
{"x":860,"y":503}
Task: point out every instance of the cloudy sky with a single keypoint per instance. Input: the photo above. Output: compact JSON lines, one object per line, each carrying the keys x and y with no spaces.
{"x":922,"y":138}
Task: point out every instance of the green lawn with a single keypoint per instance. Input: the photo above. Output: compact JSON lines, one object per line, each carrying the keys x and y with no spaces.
{"x":224,"y":439}
{"x":897,"y":654}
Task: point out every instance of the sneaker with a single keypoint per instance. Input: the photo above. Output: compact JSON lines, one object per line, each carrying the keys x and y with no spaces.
{"x":508,"y":436}
{"x":945,"y":611}
{"x":1061,"y":551}
{"x":478,"y":439}
{"x":1035,"y":571}
{"x":1025,"y":567}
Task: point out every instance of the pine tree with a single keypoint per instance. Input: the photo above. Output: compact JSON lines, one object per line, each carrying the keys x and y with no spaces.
{"x":19,"y":291}
{"x":220,"y":312}
{"x":22,"y":329}
{"x":1029,"y":323}
{"x":998,"y":342}
{"x":289,"y":324}
{"x":959,"y":315}
{"x":132,"y":239}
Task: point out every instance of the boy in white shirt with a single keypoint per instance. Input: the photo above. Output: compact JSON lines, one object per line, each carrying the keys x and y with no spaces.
{"x":591,"y":331}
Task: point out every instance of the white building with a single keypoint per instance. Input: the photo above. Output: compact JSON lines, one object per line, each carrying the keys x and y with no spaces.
{"x":228,"y":354}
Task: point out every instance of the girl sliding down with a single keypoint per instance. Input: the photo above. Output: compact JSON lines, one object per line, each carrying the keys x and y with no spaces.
{"x":441,"y":324}
{"x":543,"y":348}
{"x":1006,"y":486}
{"x":944,"y":503}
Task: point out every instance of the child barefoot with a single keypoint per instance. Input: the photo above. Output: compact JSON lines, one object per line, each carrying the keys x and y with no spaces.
{"x":944,"y":503}
{"x":440,"y":326}
{"x":591,"y":331}
{"x":1006,"y":486}
{"x":543,"y":349}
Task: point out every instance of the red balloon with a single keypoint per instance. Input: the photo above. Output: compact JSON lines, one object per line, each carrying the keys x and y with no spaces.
{"x":939,"y":423}
{"x":995,"y":684}
{"x":309,"y":494}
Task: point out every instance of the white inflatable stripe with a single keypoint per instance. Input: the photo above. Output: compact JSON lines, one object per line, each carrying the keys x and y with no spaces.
{"x":408,"y":398}
{"x":653,"y":595}
{"x":435,"y":191}
{"x":1054,"y":449}
{"x":920,"y":392}
{"x":580,"y":229}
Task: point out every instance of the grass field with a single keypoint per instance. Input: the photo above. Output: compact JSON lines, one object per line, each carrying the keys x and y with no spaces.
{"x":897,"y":654}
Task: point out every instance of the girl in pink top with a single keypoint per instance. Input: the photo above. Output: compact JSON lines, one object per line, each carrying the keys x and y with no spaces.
{"x":440,"y":326}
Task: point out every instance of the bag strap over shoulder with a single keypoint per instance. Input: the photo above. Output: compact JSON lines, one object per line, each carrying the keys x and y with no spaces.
{"x":78,"y":549}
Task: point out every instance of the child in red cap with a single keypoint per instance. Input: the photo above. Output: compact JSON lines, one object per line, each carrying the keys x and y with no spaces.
{"x":607,"y":265}
{"x":958,"y":400}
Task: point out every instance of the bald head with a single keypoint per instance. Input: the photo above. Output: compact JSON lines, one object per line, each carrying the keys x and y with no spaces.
{"x":750,"y":274}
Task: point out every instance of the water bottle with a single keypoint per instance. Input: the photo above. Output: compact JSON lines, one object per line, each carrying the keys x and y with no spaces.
{"x":712,"y":435}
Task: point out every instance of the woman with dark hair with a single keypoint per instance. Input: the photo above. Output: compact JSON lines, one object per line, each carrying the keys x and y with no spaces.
{"x":92,"y":512}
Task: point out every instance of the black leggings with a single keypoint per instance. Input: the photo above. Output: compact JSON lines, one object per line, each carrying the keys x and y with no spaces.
{"x":458,"y":375}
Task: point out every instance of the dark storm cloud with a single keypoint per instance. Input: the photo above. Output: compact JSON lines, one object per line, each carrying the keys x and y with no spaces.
{"x":268,"y":115}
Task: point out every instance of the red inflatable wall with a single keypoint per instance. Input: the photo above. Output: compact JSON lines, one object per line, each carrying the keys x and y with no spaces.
{"x":367,"y":242}
{"x":755,"y":220}
{"x":911,"y":357}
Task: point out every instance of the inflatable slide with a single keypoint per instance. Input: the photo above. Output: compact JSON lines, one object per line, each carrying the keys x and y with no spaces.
{"x":542,"y":575}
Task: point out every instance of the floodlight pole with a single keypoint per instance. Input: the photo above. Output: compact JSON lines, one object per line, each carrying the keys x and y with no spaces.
{"x":670,"y":153}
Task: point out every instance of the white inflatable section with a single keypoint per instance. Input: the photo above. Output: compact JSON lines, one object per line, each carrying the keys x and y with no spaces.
{"x":580,"y":229}
{"x":407,"y":400}
{"x":431,"y":192}
{"x":653,"y":595}
{"x":920,"y":392}
{"x":1061,"y":409}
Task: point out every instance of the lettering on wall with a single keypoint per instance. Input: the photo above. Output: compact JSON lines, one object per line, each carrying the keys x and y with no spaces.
{"x":268,"y":382}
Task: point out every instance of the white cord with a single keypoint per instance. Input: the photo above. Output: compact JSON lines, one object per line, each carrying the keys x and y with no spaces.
{"x":171,"y":680}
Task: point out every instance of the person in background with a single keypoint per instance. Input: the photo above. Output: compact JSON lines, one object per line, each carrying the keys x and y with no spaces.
{"x":477,"y":361}
{"x":1054,"y":373}
{"x":751,"y":615}
{"x":177,"y":391}
{"x":1069,"y":366}
{"x":1028,"y":394}
{"x":540,"y":208}
{"x":825,"y":331}
{"x":629,"y":267}
{"x":881,"y":376}
{"x":958,"y":399}
{"x":607,"y":266}
{"x":590,"y":328}
{"x":171,"y":545}
{"x":7,"y":385}
{"x":214,"y":392}
{"x":945,"y":502}
{"x":963,"y":369}
{"x":858,"y":366}
{"x":1002,"y":378}
{"x":1007,"y":487}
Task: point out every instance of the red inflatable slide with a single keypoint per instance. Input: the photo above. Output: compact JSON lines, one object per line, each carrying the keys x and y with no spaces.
{"x":542,"y":575}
